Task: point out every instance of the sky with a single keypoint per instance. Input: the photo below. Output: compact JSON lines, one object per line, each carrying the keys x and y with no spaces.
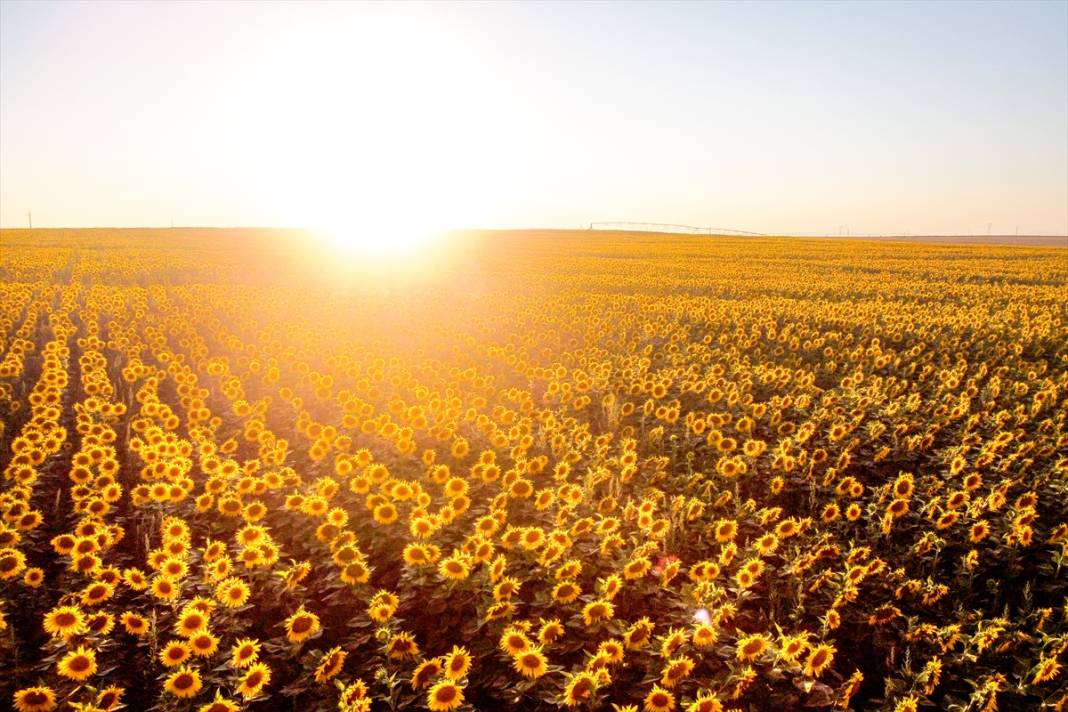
{"x":804,"y":118}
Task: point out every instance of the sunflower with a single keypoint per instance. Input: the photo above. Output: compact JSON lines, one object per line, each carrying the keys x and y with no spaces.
{"x":416,"y":555}
{"x":204,"y":644}
{"x":33,"y":577}
{"x":898,"y":508}
{"x":908,"y":704}
{"x":445,"y":696}
{"x":219,"y":569}
{"x":497,"y":568}
{"x":183,"y":683}
{"x":11,"y":537}
{"x":882,"y":615}
{"x":851,"y":687}
{"x":422,"y":527}
{"x":725,"y":530}
{"x":600,"y":610}
{"x":78,"y":664}
{"x":12,"y":563}
{"x":190,"y":622}
{"x":213,"y":549}
{"x":638,"y":634}
{"x":175,"y":653}
{"x":550,"y":631}
{"x":355,"y":573}
{"x":244,"y":653}
{"x":219,"y":705}
{"x":531,"y":663}
{"x":767,"y":544}
{"x":253,"y":557}
{"x":514,"y":641}
{"x":791,"y":647}
{"x":100,"y":623}
{"x":533,"y":538}
{"x":174,"y":568}
{"x":63,"y":544}
{"x":454,"y":567}
{"x":754,"y":567}
{"x":88,"y":564}
{"x":787,"y":528}
{"x":331,"y":664}
{"x":704,"y":635}
{"x":110,"y":575}
{"x":425,"y":672}
{"x":110,"y":697}
{"x":566,"y":592}
{"x":568,"y":570}
{"x":751,"y":647}
{"x":659,"y":700}
{"x":354,"y":697}
{"x":385,"y":513}
{"x":819,"y":658}
{"x":743,"y":578}
{"x":677,"y":669}
{"x":1048,"y":669}
{"x":753,"y":448}
{"x":947,"y":520}
{"x":254,"y":680}
{"x":705,"y":702}
{"x":164,"y":589}
{"x":612,"y":651}
{"x":978,"y":532}
{"x":35,"y":699}
{"x":64,"y":621}
{"x":579,"y":689}
{"x":295,"y":574}
{"x":457,"y":663}
{"x":506,"y":588}
{"x":381,"y":612}
{"x":301,"y":625}
{"x":232,"y":592}
{"x":636,"y":568}
{"x":401,"y":646}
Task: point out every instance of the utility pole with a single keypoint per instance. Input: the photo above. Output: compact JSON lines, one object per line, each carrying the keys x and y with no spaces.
{"x":29,"y":216}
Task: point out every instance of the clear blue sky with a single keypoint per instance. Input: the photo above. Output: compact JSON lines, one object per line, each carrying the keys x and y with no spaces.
{"x":803,"y":117}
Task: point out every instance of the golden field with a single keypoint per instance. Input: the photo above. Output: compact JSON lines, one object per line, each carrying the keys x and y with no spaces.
{"x":538,"y":470}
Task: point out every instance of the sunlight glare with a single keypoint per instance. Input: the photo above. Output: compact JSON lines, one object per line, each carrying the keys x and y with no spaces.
{"x":377,"y":240}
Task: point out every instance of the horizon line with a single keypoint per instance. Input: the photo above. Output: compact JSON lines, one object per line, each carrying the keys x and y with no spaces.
{"x":727,"y":233}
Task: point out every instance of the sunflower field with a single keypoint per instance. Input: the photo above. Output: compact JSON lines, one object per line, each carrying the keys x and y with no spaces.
{"x":547,"y":470}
